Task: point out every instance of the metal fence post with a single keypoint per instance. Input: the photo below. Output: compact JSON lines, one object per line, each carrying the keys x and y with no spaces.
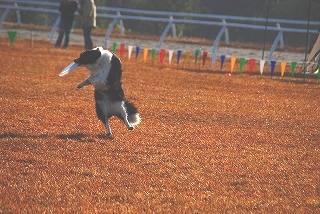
{"x":217,"y":40}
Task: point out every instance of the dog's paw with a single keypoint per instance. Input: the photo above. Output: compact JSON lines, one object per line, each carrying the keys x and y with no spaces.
{"x":109,"y":136}
{"x":79,"y":86}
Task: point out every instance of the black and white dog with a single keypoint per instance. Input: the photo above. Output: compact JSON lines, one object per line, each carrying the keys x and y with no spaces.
{"x":105,"y":74}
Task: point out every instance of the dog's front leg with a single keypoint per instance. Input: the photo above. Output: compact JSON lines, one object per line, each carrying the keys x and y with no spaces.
{"x":124,"y":115}
{"x":84,"y":83}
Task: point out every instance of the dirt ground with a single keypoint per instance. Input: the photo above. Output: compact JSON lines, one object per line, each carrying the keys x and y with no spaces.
{"x":208,"y":142}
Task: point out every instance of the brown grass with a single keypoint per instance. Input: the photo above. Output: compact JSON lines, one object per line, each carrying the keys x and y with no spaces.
{"x":208,"y":143}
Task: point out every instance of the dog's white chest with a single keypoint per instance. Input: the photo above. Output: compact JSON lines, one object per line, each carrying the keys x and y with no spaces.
{"x":100,"y":86}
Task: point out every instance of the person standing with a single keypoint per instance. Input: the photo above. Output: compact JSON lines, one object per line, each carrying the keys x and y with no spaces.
{"x":88,"y":17}
{"x":67,"y":9}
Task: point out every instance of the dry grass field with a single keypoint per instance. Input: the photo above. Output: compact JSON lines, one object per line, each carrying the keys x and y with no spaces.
{"x":208,"y":143}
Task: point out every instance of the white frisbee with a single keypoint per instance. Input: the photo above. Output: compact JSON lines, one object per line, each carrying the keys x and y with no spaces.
{"x":68,"y":69}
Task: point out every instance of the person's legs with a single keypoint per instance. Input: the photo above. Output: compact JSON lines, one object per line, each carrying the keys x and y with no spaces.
{"x":66,"y":39}
{"x":62,"y":30}
{"x":68,"y":28}
{"x":88,"y":44}
{"x":59,"y":39}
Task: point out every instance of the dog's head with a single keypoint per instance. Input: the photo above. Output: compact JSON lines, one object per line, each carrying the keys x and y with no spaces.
{"x":88,"y":59}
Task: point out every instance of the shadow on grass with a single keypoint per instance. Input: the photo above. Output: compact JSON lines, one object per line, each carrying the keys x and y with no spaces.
{"x":73,"y":136}
{"x":76,"y":136}
{"x":82,"y":137}
{"x":15,"y":135}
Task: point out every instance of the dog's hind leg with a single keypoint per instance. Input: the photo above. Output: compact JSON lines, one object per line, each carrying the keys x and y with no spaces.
{"x":124,"y":116}
{"x":108,"y":129}
{"x":101,"y":113}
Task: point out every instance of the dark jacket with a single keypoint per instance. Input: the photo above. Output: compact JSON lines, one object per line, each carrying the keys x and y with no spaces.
{"x":67,"y":9}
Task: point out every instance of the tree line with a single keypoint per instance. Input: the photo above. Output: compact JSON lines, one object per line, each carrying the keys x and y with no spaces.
{"x":281,"y":9}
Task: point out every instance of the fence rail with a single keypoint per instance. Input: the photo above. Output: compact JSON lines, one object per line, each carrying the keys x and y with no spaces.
{"x":171,"y":18}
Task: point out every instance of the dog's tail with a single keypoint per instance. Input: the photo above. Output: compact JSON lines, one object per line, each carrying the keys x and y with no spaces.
{"x":133,"y":115}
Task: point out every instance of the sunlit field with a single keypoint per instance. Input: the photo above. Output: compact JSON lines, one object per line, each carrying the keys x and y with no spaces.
{"x":207,"y":143}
